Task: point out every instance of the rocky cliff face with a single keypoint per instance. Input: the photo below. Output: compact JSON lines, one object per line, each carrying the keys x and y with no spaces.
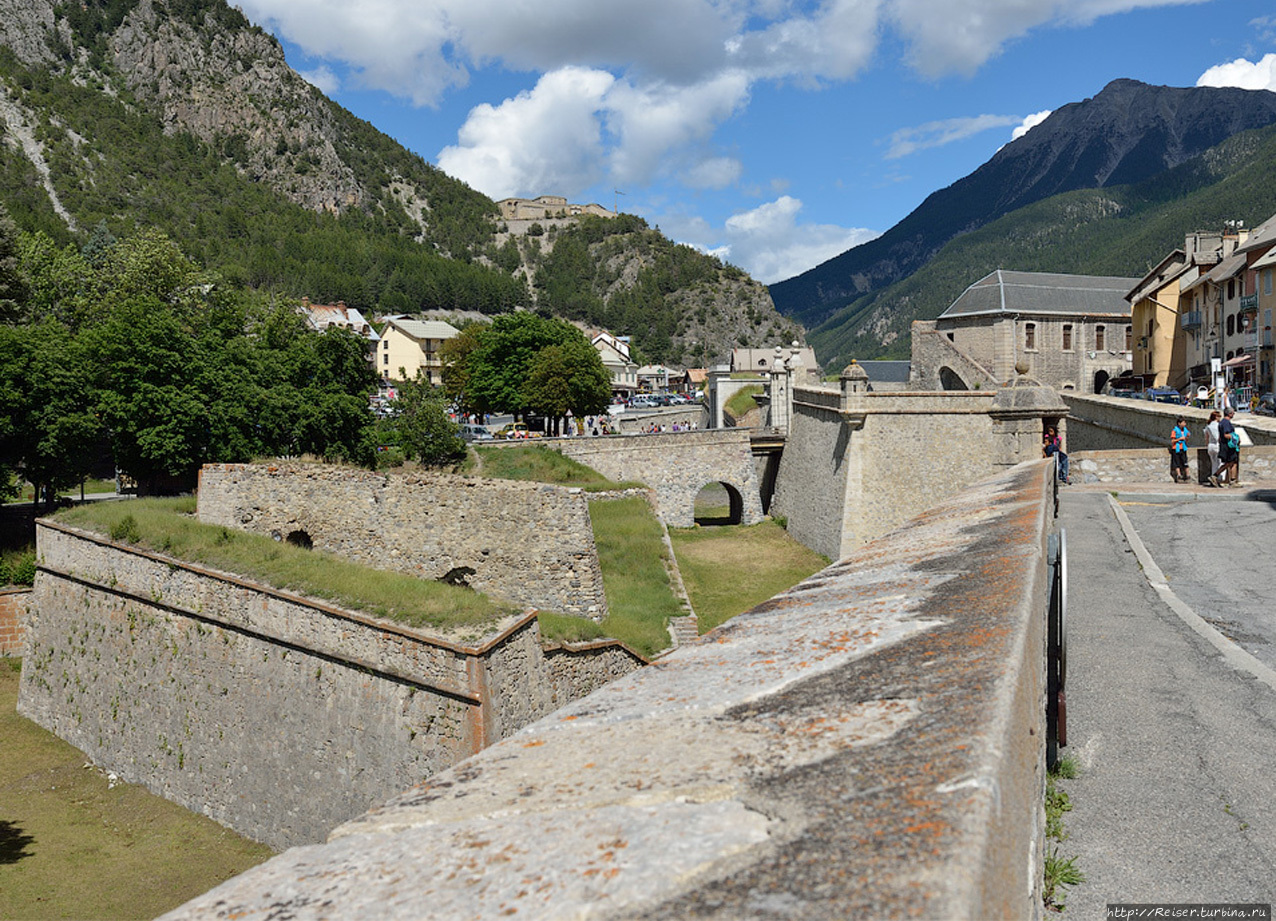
{"x":1128,"y":133}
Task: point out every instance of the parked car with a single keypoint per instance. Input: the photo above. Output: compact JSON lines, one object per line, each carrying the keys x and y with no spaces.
{"x":516,"y":430}
{"x":1163,"y":395}
{"x":471,"y":432}
{"x":1266,"y":404}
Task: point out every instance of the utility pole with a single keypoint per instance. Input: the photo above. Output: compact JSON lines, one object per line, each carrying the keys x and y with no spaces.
{"x":615,"y":205}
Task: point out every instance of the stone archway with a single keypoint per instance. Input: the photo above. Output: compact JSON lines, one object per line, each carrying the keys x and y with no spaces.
{"x":718,"y":503}
{"x":951,"y":380}
{"x":1100,"y":379}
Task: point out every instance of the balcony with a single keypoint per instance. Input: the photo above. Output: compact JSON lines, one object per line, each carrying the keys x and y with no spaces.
{"x":1190,"y":320}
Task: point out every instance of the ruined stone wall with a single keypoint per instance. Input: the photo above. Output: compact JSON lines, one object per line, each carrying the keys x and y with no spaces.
{"x":526,"y":542}
{"x":272,"y":714}
{"x":13,"y":610}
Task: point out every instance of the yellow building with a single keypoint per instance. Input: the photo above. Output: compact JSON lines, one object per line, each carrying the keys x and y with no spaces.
{"x":411,"y":346}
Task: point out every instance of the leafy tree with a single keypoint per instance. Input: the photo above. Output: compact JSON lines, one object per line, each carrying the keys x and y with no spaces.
{"x":13,"y":287}
{"x":455,"y":354}
{"x":568,"y":377}
{"x":499,"y":368}
{"x":420,"y":426}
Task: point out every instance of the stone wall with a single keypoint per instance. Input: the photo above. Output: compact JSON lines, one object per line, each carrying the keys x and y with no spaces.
{"x":13,"y":612}
{"x":1152,"y":465}
{"x":526,"y":542}
{"x":858,"y":464}
{"x":1101,"y":423}
{"x":869,"y":744}
{"x":676,"y":466}
{"x":273,"y":714}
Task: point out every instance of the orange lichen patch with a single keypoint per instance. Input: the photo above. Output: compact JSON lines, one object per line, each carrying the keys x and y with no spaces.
{"x":534,"y":743}
{"x":569,"y":717}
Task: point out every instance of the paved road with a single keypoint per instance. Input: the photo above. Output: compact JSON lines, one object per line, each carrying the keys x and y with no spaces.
{"x":1177,"y":797}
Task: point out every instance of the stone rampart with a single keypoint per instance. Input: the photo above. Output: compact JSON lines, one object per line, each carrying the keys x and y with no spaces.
{"x":13,"y":612}
{"x":526,"y":542}
{"x":276,"y":715}
{"x":869,"y":744}
{"x":858,"y":464}
{"x":676,"y":466}
{"x":1102,"y":423}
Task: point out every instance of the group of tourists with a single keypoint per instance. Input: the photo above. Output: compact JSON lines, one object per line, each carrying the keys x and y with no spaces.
{"x":1222,"y":444}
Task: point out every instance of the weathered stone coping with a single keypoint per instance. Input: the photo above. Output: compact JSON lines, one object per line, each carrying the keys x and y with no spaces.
{"x":867,"y":744}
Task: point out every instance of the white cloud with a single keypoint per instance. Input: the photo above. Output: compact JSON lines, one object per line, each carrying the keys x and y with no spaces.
{"x":323,"y":79}
{"x":544,"y":141}
{"x":908,"y":141}
{"x":768,"y":242}
{"x":1029,"y":123}
{"x":714,"y":173}
{"x":1245,"y":74}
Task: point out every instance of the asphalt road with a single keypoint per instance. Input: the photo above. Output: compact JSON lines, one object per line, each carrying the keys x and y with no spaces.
{"x":1176,"y":802}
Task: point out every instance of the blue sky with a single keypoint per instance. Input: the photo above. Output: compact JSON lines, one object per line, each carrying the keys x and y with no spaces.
{"x":774,"y":133}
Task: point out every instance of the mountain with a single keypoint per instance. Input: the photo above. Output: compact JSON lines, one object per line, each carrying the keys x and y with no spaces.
{"x":121,"y":115}
{"x":1118,"y":230}
{"x":1128,"y":133}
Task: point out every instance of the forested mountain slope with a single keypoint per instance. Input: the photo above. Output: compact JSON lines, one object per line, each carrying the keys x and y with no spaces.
{"x":1128,"y":133}
{"x":123,"y":115}
{"x":1121,"y":230}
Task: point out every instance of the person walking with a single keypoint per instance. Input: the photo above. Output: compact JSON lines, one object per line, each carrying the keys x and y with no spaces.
{"x":1052,"y":445}
{"x":1178,"y":451}
{"x":1229,"y":450}
{"x":1211,"y":446}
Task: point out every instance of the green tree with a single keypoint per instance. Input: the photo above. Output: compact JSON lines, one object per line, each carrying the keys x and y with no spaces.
{"x":568,"y":377}
{"x":13,"y":286}
{"x":498,"y":370}
{"x":420,"y":426}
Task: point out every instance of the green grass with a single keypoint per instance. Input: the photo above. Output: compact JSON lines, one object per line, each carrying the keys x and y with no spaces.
{"x":1060,"y":872}
{"x":742,"y":401}
{"x":728,"y":570}
{"x":567,"y":628}
{"x":631,"y":553}
{"x":537,"y":464}
{"x":17,"y":566}
{"x":169,"y":526}
{"x":72,"y":845}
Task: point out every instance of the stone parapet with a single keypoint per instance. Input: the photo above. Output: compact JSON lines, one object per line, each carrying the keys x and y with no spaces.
{"x":1152,"y":465}
{"x":1101,"y":423}
{"x":868,"y":744}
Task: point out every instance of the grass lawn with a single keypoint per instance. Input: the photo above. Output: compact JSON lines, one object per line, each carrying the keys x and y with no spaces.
{"x":72,"y":845}
{"x":728,"y":570}
{"x":537,"y":464}
{"x":169,"y":526}
{"x":631,"y":552}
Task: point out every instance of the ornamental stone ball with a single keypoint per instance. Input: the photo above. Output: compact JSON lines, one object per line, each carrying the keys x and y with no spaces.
{"x":1021,"y":367}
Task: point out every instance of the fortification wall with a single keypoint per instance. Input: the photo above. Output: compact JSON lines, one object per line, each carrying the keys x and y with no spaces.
{"x":526,"y":542}
{"x":676,"y":466}
{"x":869,"y":744}
{"x":1152,"y":465}
{"x":13,"y":612}
{"x":273,"y":714}
{"x":1102,"y":423}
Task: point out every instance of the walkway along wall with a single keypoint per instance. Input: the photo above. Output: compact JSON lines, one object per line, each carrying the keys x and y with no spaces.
{"x":868,"y":744}
{"x":526,"y":542}
{"x":858,"y":464}
{"x":676,"y":466}
{"x":273,"y":714}
{"x":1102,"y":423}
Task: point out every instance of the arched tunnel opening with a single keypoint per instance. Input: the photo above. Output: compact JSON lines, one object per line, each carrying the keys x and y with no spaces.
{"x":719,"y":504}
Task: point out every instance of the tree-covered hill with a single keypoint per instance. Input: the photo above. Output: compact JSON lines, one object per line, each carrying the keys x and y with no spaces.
{"x":121,"y":116}
{"x":1120,"y":230}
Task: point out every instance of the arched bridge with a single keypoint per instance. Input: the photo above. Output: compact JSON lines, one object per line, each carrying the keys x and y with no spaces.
{"x":677,"y":465}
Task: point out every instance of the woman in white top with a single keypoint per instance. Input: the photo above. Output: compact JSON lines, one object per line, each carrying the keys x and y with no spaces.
{"x":1211,"y":433}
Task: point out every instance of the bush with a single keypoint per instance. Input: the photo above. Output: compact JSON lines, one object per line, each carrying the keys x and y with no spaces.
{"x":17,"y":567}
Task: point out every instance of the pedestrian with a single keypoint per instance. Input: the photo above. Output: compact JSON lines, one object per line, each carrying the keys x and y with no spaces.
{"x":1229,"y":450}
{"x":1211,"y":446}
{"x":1178,"y":451}
{"x":1051,"y":446}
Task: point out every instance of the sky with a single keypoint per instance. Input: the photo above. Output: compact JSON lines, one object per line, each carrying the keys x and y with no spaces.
{"x":774,"y":134}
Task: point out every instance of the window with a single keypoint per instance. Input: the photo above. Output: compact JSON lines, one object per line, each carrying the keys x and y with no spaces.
{"x":1067,"y":337}
{"x":1030,"y":335}
{"x":385,"y":359}
{"x":1267,"y":281}
{"x":385,"y":344}
{"x":1129,"y":337}
{"x":1100,"y":338}
{"x":1231,"y":324}
{"x":1231,"y":289}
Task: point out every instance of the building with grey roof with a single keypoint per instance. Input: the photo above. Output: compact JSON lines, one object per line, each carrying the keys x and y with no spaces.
{"x":410,"y":347}
{"x":1071,"y":331}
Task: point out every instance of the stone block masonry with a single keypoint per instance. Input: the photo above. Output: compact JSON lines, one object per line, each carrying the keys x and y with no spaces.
{"x":529,"y":543}
{"x":275,"y":715}
{"x":13,"y":610}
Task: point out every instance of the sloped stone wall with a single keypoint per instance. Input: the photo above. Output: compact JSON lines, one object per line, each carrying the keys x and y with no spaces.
{"x":526,"y":542}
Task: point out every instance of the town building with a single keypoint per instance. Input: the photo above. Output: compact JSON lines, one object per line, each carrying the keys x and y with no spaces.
{"x":409,"y":347}
{"x":323,"y":316}
{"x":763,"y":360}
{"x":615,"y":354}
{"x":1072,"y":332}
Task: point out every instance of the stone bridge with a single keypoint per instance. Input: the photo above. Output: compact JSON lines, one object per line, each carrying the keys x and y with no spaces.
{"x":677,"y":466}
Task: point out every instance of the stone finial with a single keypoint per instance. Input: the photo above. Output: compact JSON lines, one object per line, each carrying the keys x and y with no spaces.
{"x":1021,"y":367}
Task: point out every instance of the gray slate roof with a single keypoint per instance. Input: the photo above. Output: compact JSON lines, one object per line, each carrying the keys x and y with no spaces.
{"x":1003,"y":292}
